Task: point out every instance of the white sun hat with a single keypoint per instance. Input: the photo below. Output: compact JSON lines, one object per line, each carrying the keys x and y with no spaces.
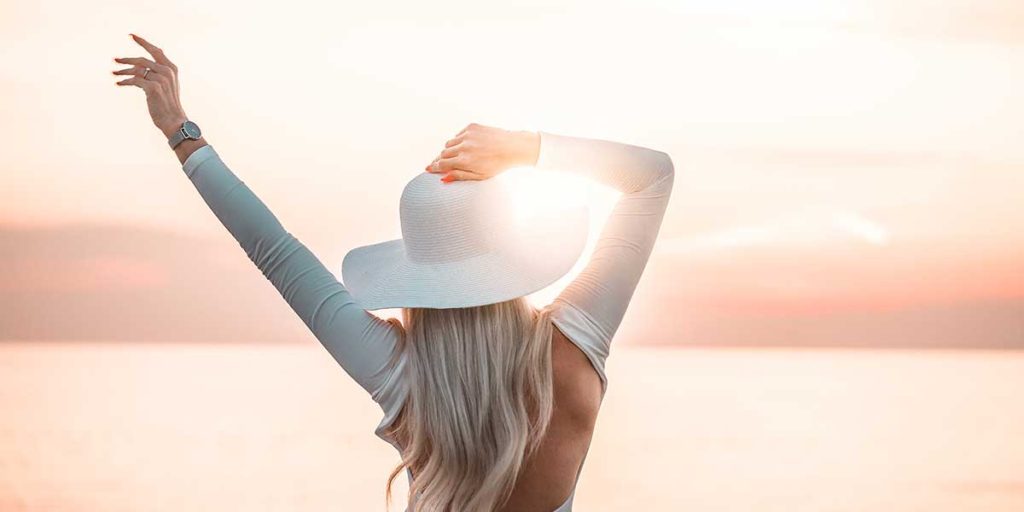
{"x":463,"y":245}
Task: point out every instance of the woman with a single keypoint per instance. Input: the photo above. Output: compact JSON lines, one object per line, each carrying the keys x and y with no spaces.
{"x":490,"y":403}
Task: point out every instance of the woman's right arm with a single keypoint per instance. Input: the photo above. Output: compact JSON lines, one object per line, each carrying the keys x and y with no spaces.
{"x":363,"y":344}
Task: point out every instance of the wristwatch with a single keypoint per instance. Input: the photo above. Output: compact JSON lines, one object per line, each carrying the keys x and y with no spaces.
{"x":188,"y":130}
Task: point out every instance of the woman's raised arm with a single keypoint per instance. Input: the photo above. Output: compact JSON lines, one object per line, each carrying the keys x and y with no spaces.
{"x":363,"y":344}
{"x":590,"y":308}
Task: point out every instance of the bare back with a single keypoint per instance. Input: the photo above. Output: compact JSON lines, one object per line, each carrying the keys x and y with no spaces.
{"x":549,"y":476}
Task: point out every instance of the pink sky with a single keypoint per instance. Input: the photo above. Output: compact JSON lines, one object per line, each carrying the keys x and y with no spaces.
{"x":833,"y":155}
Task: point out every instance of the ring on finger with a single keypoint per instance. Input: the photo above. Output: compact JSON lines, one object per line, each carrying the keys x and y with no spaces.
{"x":146,"y":74}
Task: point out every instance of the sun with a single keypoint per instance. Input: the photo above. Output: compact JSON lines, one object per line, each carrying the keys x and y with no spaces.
{"x":542,"y":193}
{"x":538,"y":193}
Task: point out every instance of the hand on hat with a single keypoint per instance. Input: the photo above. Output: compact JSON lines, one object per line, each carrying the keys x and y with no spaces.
{"x":479,"y":152}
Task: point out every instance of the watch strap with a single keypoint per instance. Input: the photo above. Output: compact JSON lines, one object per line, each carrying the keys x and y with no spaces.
{"x":177,"y":138}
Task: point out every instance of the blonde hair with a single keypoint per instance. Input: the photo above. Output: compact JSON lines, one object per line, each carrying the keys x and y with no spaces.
{"x":480,"y":401}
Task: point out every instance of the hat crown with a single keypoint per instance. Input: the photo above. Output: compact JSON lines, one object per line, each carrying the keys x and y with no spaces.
{"x":443,"y":222}
{"x":464,"y":245}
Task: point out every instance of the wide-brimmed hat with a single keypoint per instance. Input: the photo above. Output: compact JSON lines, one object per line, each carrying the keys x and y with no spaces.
{"x":464,"y":245}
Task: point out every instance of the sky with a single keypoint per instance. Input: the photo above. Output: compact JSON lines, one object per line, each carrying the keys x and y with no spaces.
{"x":847,"y":170}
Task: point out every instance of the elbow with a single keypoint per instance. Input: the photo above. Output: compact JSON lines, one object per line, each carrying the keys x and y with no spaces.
{"x":664,"y":167}
{"x":656,"y":171}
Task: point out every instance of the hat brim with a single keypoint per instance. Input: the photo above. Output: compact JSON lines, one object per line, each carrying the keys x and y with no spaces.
{"x":382,"y":276}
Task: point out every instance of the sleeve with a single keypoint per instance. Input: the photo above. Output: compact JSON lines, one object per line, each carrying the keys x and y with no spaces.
{"x":363,"y":344}
{"x":592,"y":306}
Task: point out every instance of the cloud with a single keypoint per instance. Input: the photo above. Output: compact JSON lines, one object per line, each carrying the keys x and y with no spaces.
{"x":861,"y":227}
{"x":796,"y":228}
{"x":813,"y":277}
{"x":123,"y":283}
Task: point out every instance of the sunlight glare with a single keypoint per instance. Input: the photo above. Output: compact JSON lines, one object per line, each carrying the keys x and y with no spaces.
{"x":535,"y":196}
{"x":538,"y":194}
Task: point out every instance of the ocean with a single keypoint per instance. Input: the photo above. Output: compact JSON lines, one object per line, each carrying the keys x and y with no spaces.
{"x":213,"y":427}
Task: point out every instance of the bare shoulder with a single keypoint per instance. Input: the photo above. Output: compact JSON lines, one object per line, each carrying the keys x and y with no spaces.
{"x":577,"y":386}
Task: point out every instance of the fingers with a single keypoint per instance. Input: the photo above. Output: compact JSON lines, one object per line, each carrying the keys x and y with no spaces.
{"x":454,"y":159}
{"x":134,"y":70}
{"x":139,"y":61}
{"x":445,"y":164}
{"x":156,"y":53}
{"x":453,"y":169}
{"x":460,"y":175}
{"x":157,"y":72}
{"x":142,"y":62}
{"x":469,"y":127}
{"x":137,"y":81}
{"x":451,"y":151}
{"x":460,"y":162}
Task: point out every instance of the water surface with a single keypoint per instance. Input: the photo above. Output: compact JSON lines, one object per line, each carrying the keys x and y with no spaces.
{"x":162,"y":427}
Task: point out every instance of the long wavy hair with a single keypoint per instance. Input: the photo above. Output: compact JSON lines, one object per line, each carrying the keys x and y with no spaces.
{"x":479,"y":404}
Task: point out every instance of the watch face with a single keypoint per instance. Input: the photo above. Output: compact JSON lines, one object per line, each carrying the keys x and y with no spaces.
{"x":191,"y":130}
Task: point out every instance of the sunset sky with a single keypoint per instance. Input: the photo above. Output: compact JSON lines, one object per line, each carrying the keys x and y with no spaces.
{"x":839,"y":162}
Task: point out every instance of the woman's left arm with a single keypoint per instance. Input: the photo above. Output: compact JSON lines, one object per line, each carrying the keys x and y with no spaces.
{"x":363,"y":344}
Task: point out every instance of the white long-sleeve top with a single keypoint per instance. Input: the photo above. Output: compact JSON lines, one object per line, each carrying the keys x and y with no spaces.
{"x":588,"y":311}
